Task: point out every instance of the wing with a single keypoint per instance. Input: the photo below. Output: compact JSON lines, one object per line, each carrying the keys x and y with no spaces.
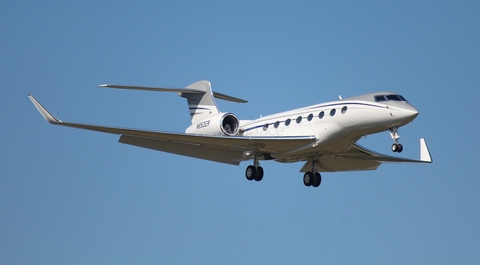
{"x":231,"y":150}
{"x":360,"y":158}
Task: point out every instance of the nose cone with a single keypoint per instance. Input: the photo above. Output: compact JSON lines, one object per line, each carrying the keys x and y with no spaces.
{"x":408,"y":113}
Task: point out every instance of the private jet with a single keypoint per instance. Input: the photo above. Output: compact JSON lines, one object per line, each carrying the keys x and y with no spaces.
{"x":323,"y":136}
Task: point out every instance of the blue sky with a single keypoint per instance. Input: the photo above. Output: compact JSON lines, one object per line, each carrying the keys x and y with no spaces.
{"x":71,"y":196}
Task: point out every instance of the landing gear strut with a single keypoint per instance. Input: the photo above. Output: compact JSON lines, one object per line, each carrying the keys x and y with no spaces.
{"x":255,"y":171}
{"x":396,"y":147}
{"x":312,"y":178}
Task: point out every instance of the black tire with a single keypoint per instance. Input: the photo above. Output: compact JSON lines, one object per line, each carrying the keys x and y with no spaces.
{"x":317,"y":180}
{"x":399,"y":148}
{"x":250,"y":173}
{"x":394,"y":147}
{"x":259,"y":175}
{"x":308,"y":179}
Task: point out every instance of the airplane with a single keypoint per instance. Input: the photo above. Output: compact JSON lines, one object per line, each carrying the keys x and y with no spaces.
{"x":322,"y":136}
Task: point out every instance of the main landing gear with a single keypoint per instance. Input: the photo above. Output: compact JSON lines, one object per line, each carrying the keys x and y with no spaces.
{"x":255,"y":171}
{"x":312,"y":178}
{"x":396,"y":147}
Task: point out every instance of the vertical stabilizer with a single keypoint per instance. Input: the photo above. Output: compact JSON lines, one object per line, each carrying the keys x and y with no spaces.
{"x":201,"y":105}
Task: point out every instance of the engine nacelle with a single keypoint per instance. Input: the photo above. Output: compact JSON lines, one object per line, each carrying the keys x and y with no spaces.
{"x":216,"y":125}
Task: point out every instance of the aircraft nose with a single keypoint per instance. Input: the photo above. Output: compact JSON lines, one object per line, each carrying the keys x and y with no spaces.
{"x":409,"y":112}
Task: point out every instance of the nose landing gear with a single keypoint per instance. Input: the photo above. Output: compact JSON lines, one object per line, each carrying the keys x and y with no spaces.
{"x":396,"y":147}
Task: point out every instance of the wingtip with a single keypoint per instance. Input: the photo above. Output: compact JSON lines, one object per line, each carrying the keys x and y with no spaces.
{"x":424,"y":152}
{"x":43,"y":111}
{"x":104,"y":85}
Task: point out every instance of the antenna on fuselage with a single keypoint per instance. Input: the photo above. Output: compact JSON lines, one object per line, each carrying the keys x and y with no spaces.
{"x":340,"y":97}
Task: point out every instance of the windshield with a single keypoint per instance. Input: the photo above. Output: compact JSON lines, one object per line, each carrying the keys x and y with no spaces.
{"x":394,"y":97}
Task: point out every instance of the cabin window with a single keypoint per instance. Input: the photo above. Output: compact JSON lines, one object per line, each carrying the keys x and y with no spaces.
{"x":344,"y":109}
{"x":265,"y":127}
{"x":277,"y":123}
{"x":321,"y":114}
{"x":287,"y":122}
{"x":310,"y":117}
{"x":299,"y":119}
{"x":332,"y":112}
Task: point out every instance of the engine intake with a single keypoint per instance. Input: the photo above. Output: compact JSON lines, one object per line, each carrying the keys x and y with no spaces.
{"x":216,"y":125}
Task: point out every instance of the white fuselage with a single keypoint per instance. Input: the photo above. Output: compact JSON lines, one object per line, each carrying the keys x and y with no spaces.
{"x":323,"y":136}
{"x":336,"y":125}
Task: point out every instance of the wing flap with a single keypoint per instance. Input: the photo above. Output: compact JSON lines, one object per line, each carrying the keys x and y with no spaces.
{"x":227,"y":156}
{"x":338,"y":165}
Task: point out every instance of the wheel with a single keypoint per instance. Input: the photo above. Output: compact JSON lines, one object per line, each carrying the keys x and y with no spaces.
{"x":308,"y":179}
{"x":399,"y":148}
{"x":317,"y":179}
{"x":394,"y":147}
{"x":259,"y":175}
{"x":250,"y":173}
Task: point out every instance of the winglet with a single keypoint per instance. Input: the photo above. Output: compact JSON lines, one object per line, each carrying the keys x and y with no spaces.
{"x":424,"y":152}
{"x":47,"y":115}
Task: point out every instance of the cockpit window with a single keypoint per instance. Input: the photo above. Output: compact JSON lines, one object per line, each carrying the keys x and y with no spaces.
{"x":393,"y":97}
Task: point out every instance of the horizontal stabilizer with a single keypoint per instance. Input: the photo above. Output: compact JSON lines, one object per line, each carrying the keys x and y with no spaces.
{"x":157,"y":89}
{"x":178,"y":90}
{"x":228,"y":98}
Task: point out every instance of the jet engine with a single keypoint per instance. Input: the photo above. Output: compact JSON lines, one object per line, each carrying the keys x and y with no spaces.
{"x":219,"y":124}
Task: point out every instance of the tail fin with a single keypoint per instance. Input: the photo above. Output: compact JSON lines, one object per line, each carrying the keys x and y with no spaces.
{"x":203,"y":104}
